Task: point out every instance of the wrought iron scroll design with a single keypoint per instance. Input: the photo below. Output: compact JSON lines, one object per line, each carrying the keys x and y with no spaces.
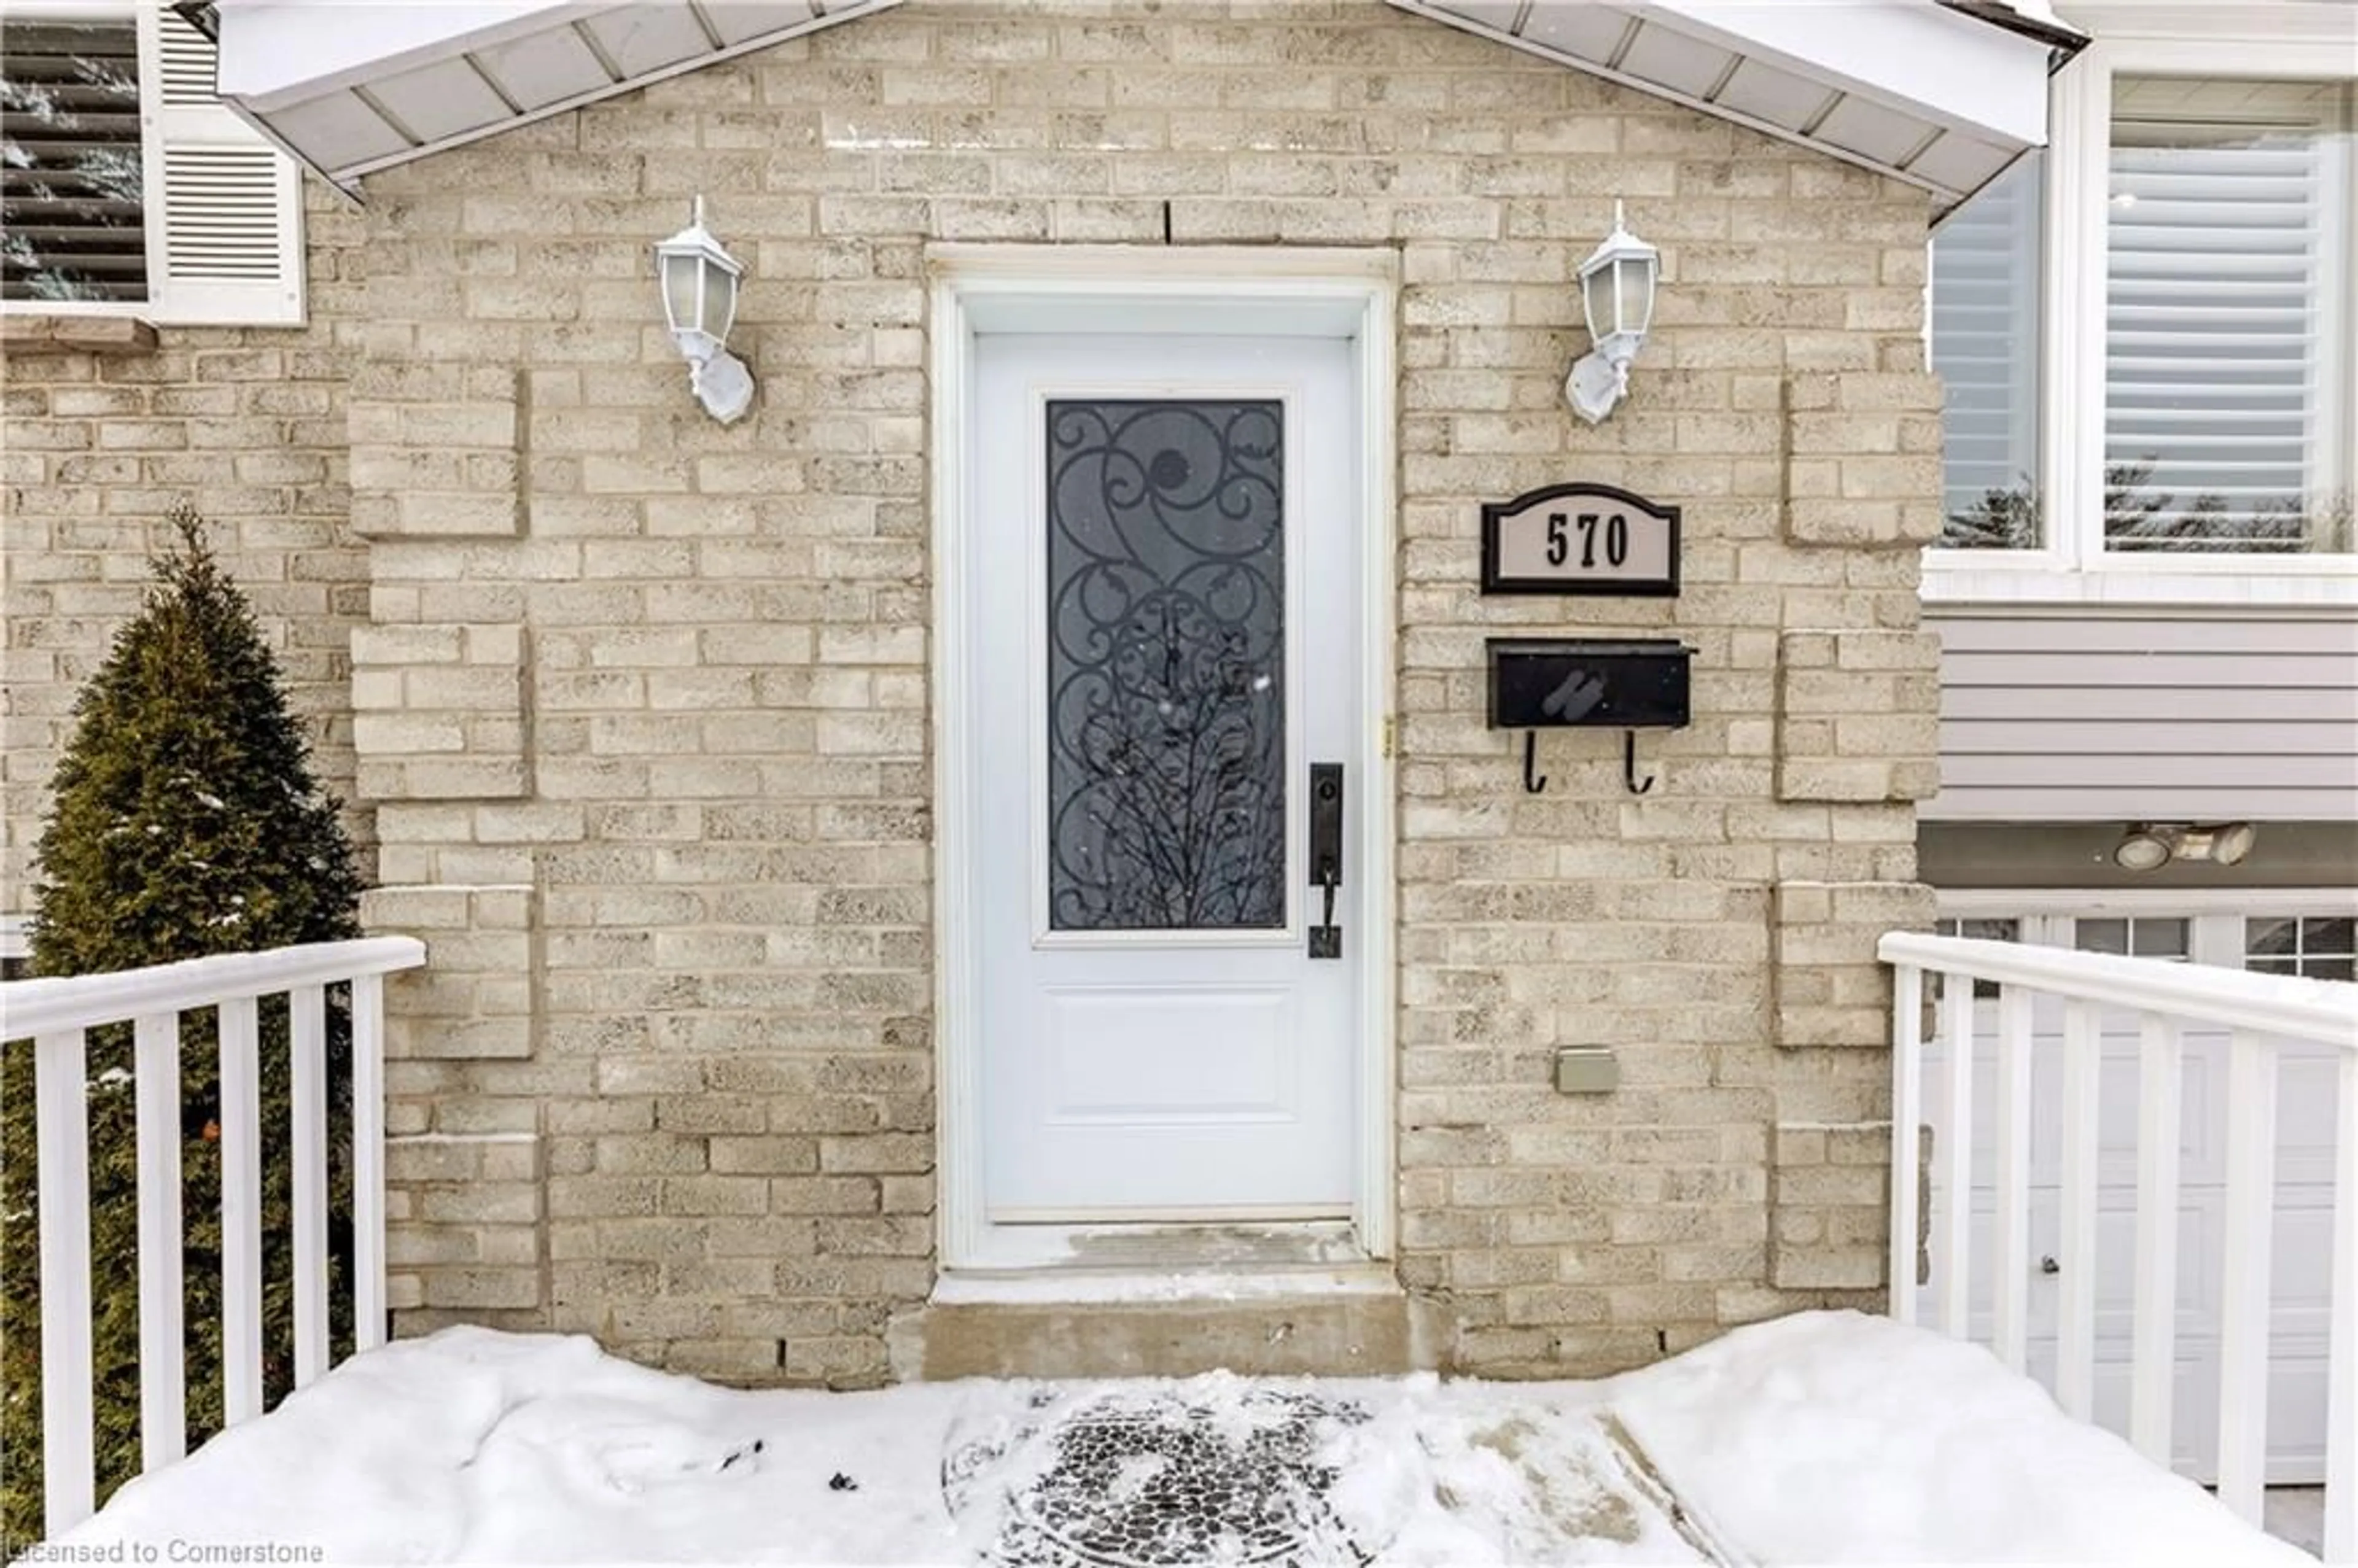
{"x":1166,"y":672}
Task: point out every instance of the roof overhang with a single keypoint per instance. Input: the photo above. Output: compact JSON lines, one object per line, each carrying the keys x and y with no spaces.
{"x":362,"y":85}
{"x":1939,"y":94}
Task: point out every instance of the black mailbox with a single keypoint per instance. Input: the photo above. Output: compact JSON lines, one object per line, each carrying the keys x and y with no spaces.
{"x":1545,"y":683}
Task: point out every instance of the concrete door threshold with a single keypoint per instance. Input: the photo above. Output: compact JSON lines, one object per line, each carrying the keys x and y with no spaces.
{"x":1160,"y":1247}
{"x":1043,"y":1287}
{"x":1171,"y":1301}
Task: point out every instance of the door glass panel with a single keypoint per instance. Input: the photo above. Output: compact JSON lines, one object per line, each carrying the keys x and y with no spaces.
{"x":2143,"y":936}
{"x":2319,"y":948}
{"x":1981,"y":931}
{"x":1166,"y":677}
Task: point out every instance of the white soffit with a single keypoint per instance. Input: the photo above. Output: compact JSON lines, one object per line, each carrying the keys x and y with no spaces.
{"x":1941,"y":93}
{"x":351,"y":86}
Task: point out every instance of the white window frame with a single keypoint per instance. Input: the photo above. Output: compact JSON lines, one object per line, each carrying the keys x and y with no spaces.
{"x":2215,"y":917}
{"x":187,"y":303}
{"x":2073,"y":566}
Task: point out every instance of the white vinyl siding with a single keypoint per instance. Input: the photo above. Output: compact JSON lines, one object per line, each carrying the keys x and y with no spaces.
{"x":1984,"y":344}
{"x":216,"y":234}
{"x":2146,"y":717}
{"x":2227,"y":300}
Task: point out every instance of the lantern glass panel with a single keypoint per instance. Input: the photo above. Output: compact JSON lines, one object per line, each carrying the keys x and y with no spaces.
{"x":1634,"y":296}
{"x":1601,"y":291}
{"x":720,"y":301}
{"x":681,"y":277}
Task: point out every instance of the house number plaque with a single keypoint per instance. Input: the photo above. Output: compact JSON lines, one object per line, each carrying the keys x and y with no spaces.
{"x":1580,"y":538}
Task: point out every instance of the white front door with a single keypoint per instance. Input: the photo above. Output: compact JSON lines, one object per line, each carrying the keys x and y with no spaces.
{"x":1164,"y":608}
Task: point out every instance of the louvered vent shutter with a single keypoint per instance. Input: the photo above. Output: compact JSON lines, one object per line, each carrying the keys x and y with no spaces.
{"x":2228,"y":284}
{"x":232,"y":230}
{"x":1986,"y":284}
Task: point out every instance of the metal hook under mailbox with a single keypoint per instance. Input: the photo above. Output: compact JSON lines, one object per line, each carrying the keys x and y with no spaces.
{"x":1629,"y":763}
{"x":1533,"y":784}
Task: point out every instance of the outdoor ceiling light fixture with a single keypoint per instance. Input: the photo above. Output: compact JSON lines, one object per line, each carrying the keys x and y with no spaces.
{"x":2150,"y":846}
{"x":1616,"y":290}
{"x":699,"y":295}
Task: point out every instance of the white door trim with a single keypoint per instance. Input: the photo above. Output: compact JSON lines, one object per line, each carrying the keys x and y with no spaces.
{"x":1347,"y":294}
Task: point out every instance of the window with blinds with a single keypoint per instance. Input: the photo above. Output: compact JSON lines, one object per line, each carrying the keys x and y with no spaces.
{"x":72,"y":162}
{"x":127,"y":185}
{"x":2229,"y":316}
{"x":1985,"y":347}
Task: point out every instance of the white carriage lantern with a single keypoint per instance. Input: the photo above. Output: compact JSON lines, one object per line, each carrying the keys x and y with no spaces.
{"x":700,"y":280}
{"x":1616,"y":290}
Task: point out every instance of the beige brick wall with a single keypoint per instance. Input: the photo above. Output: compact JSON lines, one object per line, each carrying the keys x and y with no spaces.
{"x":247,"y":426}
{"x":439,"y":710}
{"x":672,"y":1081}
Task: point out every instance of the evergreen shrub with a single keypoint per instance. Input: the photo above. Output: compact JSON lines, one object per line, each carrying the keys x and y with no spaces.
{"x":184,"y":821}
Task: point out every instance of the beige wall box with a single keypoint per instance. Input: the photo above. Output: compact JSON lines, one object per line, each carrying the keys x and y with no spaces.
{"x":1587,"y":1070}
{"x":1580,"y":538}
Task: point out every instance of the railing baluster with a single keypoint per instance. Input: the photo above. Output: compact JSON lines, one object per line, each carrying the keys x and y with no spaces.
{"x":2244,"y":1292}
{"x":2262,"y":1011}
{"x":1907,"y":1108}
{"x":368,"y":1161}
{"x":241,"y":1157}
{"x":2153,"y":1357}
{"x":61,"y":1155}
{"x":163,"y":1378}
{"x":2075,"y":1366}
{"x":2011,"y":1253}
{"x":1957,"y":1158}
{"x":2341,"y":1333}
{"x":308,"y":1018}
{"x":51,"y":1017}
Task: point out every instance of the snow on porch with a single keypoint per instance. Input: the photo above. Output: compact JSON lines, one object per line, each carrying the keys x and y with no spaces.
{"x":1826,"y":1437}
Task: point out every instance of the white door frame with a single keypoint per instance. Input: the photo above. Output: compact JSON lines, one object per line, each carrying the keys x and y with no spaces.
{"x":1346,"y":293}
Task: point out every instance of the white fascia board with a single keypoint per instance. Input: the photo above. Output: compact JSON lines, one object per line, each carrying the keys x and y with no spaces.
{"x":274,"y":52}
{"x":1910,"y":55}
{"x":2329,"y":24}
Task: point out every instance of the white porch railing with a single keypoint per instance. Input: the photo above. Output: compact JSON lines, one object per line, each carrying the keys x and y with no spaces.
{"x":56,"y":1015}
{"x":2263,"y":1013}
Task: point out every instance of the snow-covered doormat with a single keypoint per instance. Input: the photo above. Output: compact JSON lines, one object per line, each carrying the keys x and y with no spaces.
{"x":1827,"y":1437}
{"x":1221,"y":1469}
{"x":1210,"y":1471}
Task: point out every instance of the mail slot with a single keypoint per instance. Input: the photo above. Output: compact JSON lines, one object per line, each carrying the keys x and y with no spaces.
{"x":1555,"y":683}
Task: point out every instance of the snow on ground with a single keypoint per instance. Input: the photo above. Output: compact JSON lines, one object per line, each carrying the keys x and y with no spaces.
{"x":1828,"y":1437}
{"x":1837,"y":1437}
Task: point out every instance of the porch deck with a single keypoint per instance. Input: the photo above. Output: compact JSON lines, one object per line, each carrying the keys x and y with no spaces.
{"x":1815,"y":1438}
{"x":1818,"y":1438}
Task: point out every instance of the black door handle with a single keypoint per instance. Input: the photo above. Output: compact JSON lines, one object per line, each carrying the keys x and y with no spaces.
{"x":1327,"y":854}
